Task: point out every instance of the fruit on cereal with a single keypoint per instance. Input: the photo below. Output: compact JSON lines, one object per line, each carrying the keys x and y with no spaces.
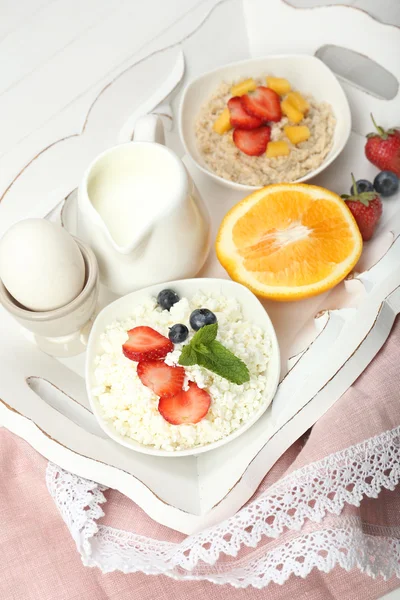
{"x":220,"y":155}
{"x":239,"y":117}
{"x":223,"y":123}
{"x":201,"y":317}
{"x":383,"y":149}
{"x":178,"y":333}
{"x":386,"y":183}
{"x":167,"y":298}
{"x":263,"y":103}
{"x":366,"y":208}
{"x":253,"y":142}
{"x":292,"y":113}
{"x":186,"y":407}
{"x":145,"y":343}
{"x":297,"y":133}
{"x":243,"y":87}
{"x":275,"y":149}
{"x":162,"y":379}
{"x":298,"y":101}
{"x":289,"y":241}
{"x":279,"y":85}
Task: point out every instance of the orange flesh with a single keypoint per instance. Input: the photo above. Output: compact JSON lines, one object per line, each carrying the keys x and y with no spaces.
{"x":290,"y":239}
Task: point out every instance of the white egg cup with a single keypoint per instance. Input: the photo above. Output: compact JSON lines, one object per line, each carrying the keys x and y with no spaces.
{"x":64,"y":331}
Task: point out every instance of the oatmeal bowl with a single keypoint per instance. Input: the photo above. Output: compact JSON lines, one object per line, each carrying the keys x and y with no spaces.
{"x":181,"y":368}
{"x":268,"y":120}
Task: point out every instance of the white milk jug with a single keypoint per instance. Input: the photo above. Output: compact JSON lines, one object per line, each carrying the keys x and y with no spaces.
{"x":140,"y":212}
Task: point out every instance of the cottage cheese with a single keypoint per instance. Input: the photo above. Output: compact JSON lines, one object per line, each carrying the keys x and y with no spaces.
{"x":131,"y":408}
{"x":223,"y":158}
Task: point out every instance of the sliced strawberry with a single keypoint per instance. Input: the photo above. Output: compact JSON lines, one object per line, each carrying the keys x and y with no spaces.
{"x":263,"y":103}
{"x":189,"y":406}
{"x":253,"y":142}
{"x":164,"y":380}
{"x":145,"y":343}
{"x":239,"y":117}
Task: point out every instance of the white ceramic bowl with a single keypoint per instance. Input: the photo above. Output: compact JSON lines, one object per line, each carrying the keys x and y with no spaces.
{"x":306,"y":73}
{"x":122,"y":308}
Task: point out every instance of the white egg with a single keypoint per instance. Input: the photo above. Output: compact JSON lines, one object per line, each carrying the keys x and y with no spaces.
{"x":41,"y":265}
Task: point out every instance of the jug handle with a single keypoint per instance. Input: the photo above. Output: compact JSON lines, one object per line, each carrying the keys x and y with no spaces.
{"x":149,"y":128}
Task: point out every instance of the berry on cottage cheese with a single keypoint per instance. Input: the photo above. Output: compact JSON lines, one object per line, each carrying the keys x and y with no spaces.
{"x":162,"y":379}
{"x":201,"y":317}
{"x":188,"y":406}
{"x":178,"y":333}
{"x":145,"y":343}
{"x":167,"y":298}
{"x":132,"y":408}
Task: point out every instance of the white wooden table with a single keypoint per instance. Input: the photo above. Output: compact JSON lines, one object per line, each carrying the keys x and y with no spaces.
{"x":56,"y":54}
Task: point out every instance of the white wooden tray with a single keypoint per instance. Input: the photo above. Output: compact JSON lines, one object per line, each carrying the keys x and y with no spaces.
{"x":326,"y":342}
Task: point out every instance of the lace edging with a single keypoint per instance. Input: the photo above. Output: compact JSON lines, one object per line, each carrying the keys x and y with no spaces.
{"x":347,"y":547}
{"x":84,"y":496}
{"x":308,"y":493}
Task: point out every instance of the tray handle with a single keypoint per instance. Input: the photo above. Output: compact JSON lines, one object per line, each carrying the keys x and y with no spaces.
{"x":76,"y":411}
{"x":379,"y":96}
{"x":308,"y":30}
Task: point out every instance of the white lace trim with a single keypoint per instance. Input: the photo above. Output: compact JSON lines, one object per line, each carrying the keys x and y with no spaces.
{"x":308,"y":493}
{"x":78,"y":501}
{"x":349,"y":546}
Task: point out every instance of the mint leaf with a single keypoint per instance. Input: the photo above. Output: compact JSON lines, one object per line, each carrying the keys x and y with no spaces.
{"x":202,"y":349}
{"x":206,"y":351}
{"x":224,"y":363}
{"x":229,"y":366}
{"x":205,"y":335}
{"x":188,"y":356}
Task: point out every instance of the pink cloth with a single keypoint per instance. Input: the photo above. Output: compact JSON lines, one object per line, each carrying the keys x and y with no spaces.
{"x":40,"y":561}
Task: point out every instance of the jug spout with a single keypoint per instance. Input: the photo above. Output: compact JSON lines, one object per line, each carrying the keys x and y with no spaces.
{"x":131,"y":188}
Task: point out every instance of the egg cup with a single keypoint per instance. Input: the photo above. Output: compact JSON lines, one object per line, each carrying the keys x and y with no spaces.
{"x":61,"y":332}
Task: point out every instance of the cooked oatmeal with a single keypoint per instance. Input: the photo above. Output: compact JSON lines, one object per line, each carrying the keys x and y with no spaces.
{"x":226,"y":160}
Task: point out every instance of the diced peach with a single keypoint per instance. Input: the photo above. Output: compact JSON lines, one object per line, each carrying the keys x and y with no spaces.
{"x":291,"y":112}
{"x":275,"y":149}
{"x":223,"y":123}
{"x":297,"y":100}
{"x":241,"y":88}
{"x":297,"y":133}
{"x":279,"y":85}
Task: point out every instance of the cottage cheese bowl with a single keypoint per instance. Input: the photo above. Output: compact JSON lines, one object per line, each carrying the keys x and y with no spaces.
{"x":329,"y":118}
{"x":128,"y":411}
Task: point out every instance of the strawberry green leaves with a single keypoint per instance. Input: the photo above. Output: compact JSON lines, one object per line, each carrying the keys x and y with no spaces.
{"x":364,"y":197}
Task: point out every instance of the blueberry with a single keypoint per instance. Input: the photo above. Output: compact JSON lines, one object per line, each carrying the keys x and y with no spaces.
{"x":363,"y":185}
{"x":201,"y":317}
{"x":178,"y":333}
{"x":386,"y":183}
{"x":167,"y":298}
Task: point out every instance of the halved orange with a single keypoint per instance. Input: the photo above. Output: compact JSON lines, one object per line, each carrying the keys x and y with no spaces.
{"x":289,"y":241}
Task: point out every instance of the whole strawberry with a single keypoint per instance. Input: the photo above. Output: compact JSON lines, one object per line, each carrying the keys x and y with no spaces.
{"x":366,"y":208}
{"x":383,"y":149}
